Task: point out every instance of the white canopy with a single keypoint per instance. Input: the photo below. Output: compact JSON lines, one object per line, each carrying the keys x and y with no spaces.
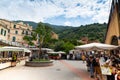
{"x":96,"y":46}
{"x":56,"y":52}
{"x":26,"y":50}
{"x":62,"y":52}
{"x":46,"y":49}
{"x":10,"y":48}
{"x":52,"y":52}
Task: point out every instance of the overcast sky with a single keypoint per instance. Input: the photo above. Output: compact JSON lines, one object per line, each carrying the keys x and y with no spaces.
{"x":58,"y":12}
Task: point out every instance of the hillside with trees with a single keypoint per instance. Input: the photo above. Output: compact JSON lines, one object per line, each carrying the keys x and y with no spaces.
{"x":69,"y":36}
{"x":94,"y":31}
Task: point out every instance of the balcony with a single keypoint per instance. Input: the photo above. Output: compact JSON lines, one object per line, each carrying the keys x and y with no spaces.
{"x":9,"y":43}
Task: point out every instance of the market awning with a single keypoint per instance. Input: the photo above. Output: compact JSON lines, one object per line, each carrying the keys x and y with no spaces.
{"x":11,"y":48}
{"x":96,"y":46}
{"x":59,"y":52}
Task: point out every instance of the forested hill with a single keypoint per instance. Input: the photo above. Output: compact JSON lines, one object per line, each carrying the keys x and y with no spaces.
{"x":94,"y":31}
{"x":34,"y":24}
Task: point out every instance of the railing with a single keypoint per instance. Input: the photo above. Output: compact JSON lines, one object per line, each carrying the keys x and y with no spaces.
{"x":11,"y":43}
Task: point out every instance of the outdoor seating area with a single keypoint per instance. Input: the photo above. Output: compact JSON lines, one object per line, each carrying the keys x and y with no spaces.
{"x":103,"y":62}
{"x":9,"y":54}
{"x":56,"y":55}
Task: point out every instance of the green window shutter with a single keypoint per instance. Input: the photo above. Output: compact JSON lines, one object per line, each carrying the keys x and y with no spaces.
{"x":16,"y":32}
{"x":1,"y":31}
{"x":14,"y":39}
{"x":5,"y":33}
{"x":14,"y":26}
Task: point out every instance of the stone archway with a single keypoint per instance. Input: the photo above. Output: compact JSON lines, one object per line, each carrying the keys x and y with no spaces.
{"x":114,"y":40}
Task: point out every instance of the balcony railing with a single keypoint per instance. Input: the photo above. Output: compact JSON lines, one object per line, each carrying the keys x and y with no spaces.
{"x":11,"y":43}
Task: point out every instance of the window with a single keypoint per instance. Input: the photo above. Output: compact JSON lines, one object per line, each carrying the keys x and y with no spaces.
{"x":1,"y":31}
{"x":14,"y":39}
{"x":23,"y":32}
{"x":26,"y":32}
{"x":28,"y":29}
{"x":14,"y":26}
{"x":8,"y":30}
{"x":5,"y":33}
{"x":31,"y":33}
{"x":16,"y":32}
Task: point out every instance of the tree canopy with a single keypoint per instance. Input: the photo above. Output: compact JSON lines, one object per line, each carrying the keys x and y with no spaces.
{"x":29,"y":39}
{"x":43,"y":34}
{"x":73,"y":35}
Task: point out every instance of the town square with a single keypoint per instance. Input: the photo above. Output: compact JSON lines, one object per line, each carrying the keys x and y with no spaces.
{"x":60,"y":40}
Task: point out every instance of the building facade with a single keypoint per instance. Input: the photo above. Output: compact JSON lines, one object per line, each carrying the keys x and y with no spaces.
{"x":54,"y":35}
{"x":3,"y":32}
{"x":113,"y":28}
{"x":14,"y":32}
{"x":86,"y":40}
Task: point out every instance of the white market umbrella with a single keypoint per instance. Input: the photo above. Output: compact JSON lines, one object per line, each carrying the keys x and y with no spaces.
{"x":61,"y":52}
{"x":96,"y":46}
{"x":26,"y":50}
{"x":6,"y":48}
{"x":11,"y":48}
{"x":57,"y":52}
{"x":52,"y":52}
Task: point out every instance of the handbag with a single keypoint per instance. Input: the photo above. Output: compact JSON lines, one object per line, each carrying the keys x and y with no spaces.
{"x":106,"y":70}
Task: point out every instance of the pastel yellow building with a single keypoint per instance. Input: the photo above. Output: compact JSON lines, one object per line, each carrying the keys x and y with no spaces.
{"x":14,"y":31}
{"x":113,"y":29}
{"x":3,"y":32}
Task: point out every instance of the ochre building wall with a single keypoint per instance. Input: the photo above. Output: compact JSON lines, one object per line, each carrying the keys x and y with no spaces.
{"x":113,"y":27}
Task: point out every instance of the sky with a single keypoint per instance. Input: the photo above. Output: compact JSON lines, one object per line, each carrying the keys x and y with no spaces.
{"x":57,"y":12}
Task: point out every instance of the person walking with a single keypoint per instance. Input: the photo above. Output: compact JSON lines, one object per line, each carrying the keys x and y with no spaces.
{"x":83,"y":58}
{"x":91,"y":63}
{"x":98,"y":73}
{"x":88,"y":64}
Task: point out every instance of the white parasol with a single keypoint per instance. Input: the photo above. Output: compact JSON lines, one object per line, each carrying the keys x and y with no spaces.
{"x":96,"y":46}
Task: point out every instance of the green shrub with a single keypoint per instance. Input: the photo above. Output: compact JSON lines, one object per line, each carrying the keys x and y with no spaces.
{"x":41,"y":60}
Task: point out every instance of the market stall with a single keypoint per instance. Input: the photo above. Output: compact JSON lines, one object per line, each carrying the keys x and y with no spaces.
{"x":96,"y":47}
{"x":10,"y":55}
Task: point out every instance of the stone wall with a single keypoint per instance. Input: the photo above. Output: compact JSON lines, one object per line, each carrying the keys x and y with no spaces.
{"x":38,"y":64}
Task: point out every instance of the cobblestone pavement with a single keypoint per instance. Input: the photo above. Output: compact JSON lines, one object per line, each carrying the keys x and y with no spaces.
{"x":61,"y":70}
